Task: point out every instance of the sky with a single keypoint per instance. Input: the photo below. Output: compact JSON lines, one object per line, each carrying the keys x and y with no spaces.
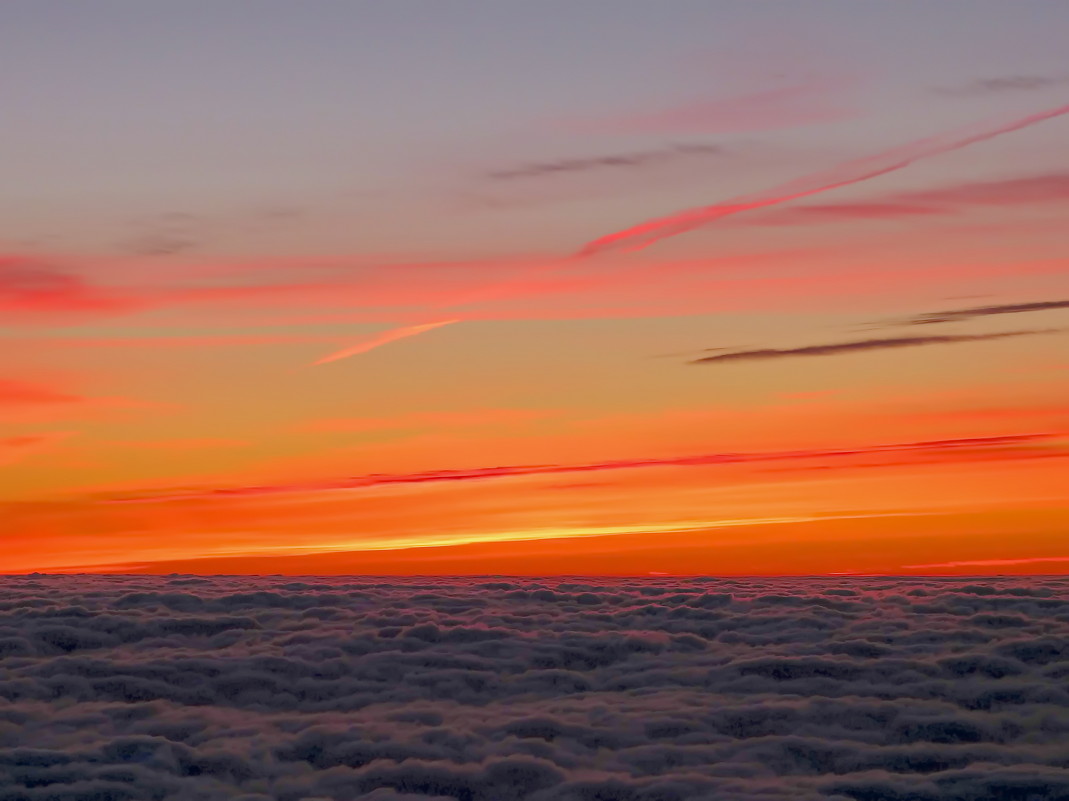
{"x":610,"y":287}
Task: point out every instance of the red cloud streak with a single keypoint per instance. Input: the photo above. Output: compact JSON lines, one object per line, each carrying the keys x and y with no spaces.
{"x":483,"y":473}
{"x":14,"y":449}
{"x":645,"y":234}
{"x":20,"y":393}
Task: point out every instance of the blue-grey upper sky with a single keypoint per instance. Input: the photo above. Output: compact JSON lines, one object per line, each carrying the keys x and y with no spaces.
{"x":350,"y":119}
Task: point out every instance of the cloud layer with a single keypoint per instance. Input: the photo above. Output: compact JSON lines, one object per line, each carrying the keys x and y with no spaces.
{"x":496,"y":689}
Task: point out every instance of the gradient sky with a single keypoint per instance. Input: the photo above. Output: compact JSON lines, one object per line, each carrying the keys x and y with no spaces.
{"x":292,"y":287}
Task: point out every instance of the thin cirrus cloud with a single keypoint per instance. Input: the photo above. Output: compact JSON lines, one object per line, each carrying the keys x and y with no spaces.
{"x":837,"y":348}
{"x":24,"y":287}
{"x":34,"y":292}
{"x":487,"y":289}
{"x":1012,"y":443}
{"x":165,"y":235}
{"x":25,"y":401}
{"x":1028,"y":190}
{"x":1005,"y":84}
{"x":16,"y":448}
{"x":30,"y":288}
{"x":960,"y":315}
{"x":177,"y":233}
{"x":619,"y":161}
{"x":768,"y":109}
{"x":382,"y":339}
{"x":648,"y":233}
{"x":989,"y":562}
{"x":22,"y":393}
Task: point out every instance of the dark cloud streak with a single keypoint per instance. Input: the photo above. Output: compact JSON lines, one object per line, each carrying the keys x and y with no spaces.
{"x":836,"y":348}
{"x":613,"y":162}
{"x":507,"y":471}
{"x":1048,"y":188}
{"x":1004,"y":85}
{"x":959,"y":315}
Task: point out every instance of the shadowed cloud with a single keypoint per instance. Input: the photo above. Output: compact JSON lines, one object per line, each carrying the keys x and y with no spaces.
{"x":642,"y":158}
{"x":512,"y":688}
{"x":1050,"y":188}
{"x":836,"y":348}
{"x":1004,"y":84}
{"x":959,"y":315}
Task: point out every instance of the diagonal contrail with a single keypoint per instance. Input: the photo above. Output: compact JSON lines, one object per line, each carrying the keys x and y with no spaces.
{"x":382,"y":339}
{"x":647,"y":233}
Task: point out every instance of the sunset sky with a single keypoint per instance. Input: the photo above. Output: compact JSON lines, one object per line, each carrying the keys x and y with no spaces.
{"x":556,"y":287}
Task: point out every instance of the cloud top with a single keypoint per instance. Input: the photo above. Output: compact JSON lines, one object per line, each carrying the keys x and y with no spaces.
{"x":501,"y":688}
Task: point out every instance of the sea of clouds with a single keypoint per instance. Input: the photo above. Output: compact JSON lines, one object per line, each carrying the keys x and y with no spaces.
{"x":492,"y":689}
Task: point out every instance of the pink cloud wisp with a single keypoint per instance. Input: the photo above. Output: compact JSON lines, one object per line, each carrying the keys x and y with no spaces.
{"x":647,"y":233}
{"x":382,"y":339}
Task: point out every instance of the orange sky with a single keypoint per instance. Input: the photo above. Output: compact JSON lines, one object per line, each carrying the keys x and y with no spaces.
{"x":868,"y":379}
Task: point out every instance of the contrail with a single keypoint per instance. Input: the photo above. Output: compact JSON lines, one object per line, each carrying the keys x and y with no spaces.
{"x":645,"y":234}
{"x":382,"y":339}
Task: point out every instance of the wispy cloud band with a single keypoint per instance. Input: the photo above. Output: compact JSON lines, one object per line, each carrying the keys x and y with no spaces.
{"x":960,"y":315}
{"x":509,"y":471}
{"x":837,"y":348}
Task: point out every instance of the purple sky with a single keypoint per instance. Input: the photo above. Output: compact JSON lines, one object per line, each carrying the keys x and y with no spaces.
{"x":365,"y":116}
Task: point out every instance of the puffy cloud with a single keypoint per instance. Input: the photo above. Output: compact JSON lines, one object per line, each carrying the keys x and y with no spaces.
{"x":498,"y":688}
